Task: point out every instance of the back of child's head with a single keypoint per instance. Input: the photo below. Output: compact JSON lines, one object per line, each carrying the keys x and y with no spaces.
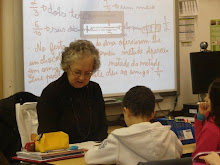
{"x":140,"y":100}
{"x":214,"y":96}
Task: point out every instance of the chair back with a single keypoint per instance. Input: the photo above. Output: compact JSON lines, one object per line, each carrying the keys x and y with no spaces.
{"x":10,"y":140}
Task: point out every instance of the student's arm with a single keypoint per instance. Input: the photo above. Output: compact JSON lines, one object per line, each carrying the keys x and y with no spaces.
{"x":200,"y":117}
{"x":198,"y":126}
{"x":207,"y":139}
{"x":106,"y":153}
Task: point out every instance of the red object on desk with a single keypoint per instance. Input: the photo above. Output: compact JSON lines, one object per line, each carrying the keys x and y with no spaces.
{"x":30,"y":146}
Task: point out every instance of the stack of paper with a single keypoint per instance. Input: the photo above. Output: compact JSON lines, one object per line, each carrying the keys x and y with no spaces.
{"x":51,"y":156}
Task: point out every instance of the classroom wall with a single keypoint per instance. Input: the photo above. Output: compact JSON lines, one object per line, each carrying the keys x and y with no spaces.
{"x":1,"y":69}
{"x":8,"y":48}
{"x":12,"y":47}
{"x":208,"y":10}
{"x":12,"y":53}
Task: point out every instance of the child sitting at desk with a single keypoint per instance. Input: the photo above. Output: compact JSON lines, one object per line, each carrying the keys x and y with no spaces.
{"x":207,"y":121}
{"x":141,"y":141}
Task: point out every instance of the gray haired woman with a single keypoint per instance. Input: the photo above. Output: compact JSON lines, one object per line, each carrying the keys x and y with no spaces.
{"x":73,"y":103}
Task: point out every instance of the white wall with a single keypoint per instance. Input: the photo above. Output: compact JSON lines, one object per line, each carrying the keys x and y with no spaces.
{"x":13,"y":62}
{"x":12,"y":47}
{"x":209,"y":9}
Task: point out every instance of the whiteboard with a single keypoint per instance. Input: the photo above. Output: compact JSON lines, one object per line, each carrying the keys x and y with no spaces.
{"x":135,"y":38}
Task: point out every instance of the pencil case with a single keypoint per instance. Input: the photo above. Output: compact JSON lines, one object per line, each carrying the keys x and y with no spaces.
{"x":51,"y":141}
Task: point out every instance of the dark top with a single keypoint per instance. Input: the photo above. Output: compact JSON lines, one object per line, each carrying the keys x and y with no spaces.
{"x":79,"y":112}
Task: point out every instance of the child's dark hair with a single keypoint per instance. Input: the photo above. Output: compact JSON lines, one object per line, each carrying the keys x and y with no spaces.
{"x":140,"y":100}
{"x":214,"y":96}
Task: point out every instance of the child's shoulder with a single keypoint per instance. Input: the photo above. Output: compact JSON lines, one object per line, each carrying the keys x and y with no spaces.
{"x":137,"y":128}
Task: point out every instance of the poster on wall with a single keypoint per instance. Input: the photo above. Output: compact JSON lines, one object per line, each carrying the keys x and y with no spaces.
{"x":186,"y":31}
{"x":215,"y":34}
{"x":188,"y":8}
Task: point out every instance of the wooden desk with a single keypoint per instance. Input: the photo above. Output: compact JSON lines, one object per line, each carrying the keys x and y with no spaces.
{"x":187,"y":148}
{"x":74,"y":161}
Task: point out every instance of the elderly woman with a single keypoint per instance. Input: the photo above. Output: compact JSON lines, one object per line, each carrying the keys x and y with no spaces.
{"x":74,"y":104}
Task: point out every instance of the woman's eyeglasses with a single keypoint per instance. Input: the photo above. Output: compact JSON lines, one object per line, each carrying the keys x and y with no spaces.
{"x":79,"y":73}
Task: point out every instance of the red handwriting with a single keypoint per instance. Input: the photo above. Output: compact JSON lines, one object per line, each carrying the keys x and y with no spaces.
{"x":119,"y":62}
{"x":132,"y":51}
{"x":57,"y":30}
{"x":150,"y":62}
{"x":57,"y":46}
{"x":124,"y":7}
{"x":166,"y":24}
{"x":124,"y":72}
{"x":147,"y":7}
{"x":136,"y":57}
{"x":136,"y":72}
{"x":53,"y":59}
{"x":156,"y":50}
{"x":98,"y":73}
{"x":49,"y":68}
{"x":39,"y":48}
{"x":34,"y":78}
{"x":37,"y":29}
{"x":155,"y":39}
{"x":151,"y":28}
{"x":33,"y":63}
{"x":106,"y":53}
{"x":55,"y":12}
{"x":111,"y":72}
{"x":127,"y":42}
{"x":34,"y":7}
{"x":34,"y":71}
{"x":50,"y":77}
{"x":73,"y":29}
{"x":158,"y":71}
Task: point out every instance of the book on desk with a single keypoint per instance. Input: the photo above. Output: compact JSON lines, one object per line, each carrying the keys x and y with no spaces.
{"x":39,"y":157}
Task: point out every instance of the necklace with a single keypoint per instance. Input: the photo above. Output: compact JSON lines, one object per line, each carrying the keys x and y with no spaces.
{"x":82,"y":134}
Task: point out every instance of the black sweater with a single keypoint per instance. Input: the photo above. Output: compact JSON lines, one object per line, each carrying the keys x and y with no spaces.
{"x":80,"y":112}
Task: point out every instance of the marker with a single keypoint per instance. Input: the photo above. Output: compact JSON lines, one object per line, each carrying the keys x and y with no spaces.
{"x":73,"y":148}
{"x":201,"y":102}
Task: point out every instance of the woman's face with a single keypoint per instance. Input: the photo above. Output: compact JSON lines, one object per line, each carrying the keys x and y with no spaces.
{"x":80,"y":72}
